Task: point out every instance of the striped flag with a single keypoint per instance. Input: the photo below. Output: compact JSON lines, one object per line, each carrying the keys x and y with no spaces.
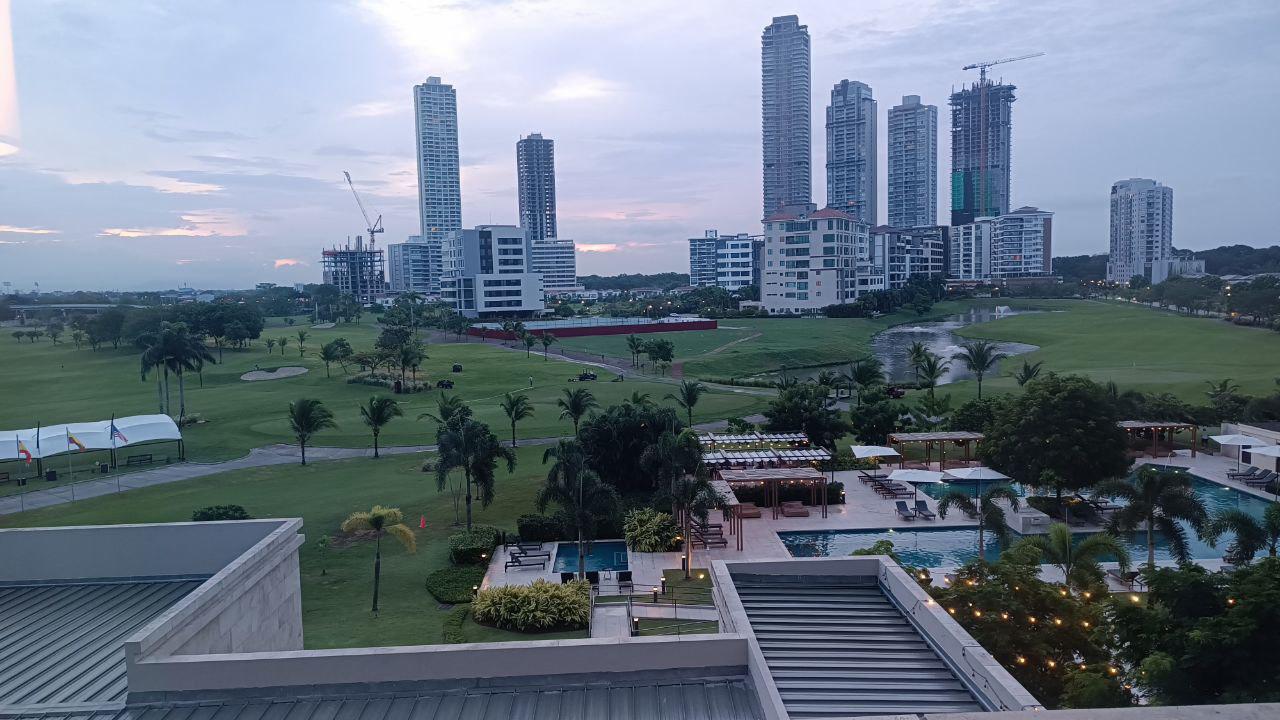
{"x":73,"y":441}
{"x":23,"y":452}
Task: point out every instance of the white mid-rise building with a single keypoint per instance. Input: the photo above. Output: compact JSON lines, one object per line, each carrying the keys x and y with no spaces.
{"x":913,"y":251}
{"x":731,"y":262}
{"x":1141,"y":231}
{"x":816,"y":258}
{"x":556,"y":260}
{"x":414,"y":266}
{"x":488,"y":272}
{"x":1015,"y":245}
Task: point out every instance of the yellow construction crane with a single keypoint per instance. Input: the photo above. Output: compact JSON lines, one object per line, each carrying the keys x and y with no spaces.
{"x":374,"y":227}
{"x":981,"y":67}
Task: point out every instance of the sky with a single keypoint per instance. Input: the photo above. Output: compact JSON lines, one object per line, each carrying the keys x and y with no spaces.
{"x":168,"y":143}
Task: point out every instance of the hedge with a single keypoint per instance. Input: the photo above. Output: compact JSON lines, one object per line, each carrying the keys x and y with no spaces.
{"x":647,"y":530}
{"x":220,"y":512}
{"x":540,"y":528}
{"x":452,"y":633}
{"x":474,"y":546}
{"x":453,"y":584}
{"x":540,"y":607}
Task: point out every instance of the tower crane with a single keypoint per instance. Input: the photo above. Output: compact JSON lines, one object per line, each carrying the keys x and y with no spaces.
{"x":981,"y":67}
{"x":373,"y":227}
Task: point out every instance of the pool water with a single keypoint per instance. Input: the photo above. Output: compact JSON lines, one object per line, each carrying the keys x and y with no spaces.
{"x":602,"y":555}
{"x":939,"y":547}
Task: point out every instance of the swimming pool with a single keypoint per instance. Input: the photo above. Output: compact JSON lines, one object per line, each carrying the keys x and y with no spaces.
{"x":939,"y":547}
{"x":601,"y":555}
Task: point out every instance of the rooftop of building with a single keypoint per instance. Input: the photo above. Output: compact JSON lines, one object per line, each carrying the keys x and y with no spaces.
{"x":823,"y":214}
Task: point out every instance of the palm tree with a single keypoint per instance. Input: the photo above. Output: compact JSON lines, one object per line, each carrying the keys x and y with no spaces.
{"x":188,"y":353}
{"x":307,"y":417}
{"x":1078,"y":561}
{"x":980,"y":356}
{"x":448,"y":409}
{"x":78,"y":337}
{"x":410,"y":357}
{"x":931,"y":369}
{"x":864,"y":374}
{"x":302,"y":339}
{"x":1252,"y":535}
{"x":377,"y":413}
{"x":635,"y":344}
{"x":470,"y":445}
{"x":381,"y":521}
{"x":1029,"y":372}
{"x":1158,"y":499}
{"x":687,"y":396}
{"x":329,"y":353}
{"x":1221,"y":390}
{"x":916,"y":354}
{"x":547,"y":339}
{"x":639,"y":399}
{"x":985,"y":508}
{"x":575,"y":405}
{"x":271,"y":345}
{"x":675,"y":461}
{"x":517,"y":407}
{"x":283,"y":342}
{"x":578,"y":491}
{"x":529,"y":341}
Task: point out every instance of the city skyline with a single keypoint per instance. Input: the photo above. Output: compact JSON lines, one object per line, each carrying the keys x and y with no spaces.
{"x":212,"y":169}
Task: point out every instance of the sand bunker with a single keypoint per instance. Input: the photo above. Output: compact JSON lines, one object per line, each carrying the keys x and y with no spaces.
{"x":277,"y":374}
{"x":324,"y":326}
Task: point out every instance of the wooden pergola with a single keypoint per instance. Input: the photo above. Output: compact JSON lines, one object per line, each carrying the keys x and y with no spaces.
{"x":1139,"y":428}
{"x":773,"y":478}
{"x":729,"y":502}
{"x":963,"y":438}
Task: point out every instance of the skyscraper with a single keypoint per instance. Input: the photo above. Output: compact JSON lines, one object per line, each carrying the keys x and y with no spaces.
{"x":786,"y":119}
{"x":913,"y":164}
{"x":439,"y":191}
{"x":981,"y":143}
{"x":851,"y":151}
{"x":536,"y":171}
{"x":1141,"y":231}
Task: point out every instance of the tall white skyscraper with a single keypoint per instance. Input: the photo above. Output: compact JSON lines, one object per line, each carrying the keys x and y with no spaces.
{"x":1141,"y":231}
{"x":851,"y":151}
{"x":439,"y":189}
{"x":536,"y":177}
{"x":786,"y":114}
{"x":913,"y":164}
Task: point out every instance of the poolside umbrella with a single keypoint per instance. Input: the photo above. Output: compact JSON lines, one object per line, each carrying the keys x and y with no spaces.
{"x":1269,"y":451}
{"x":917,"y":477}
{"x":1242,"y":441}
{"x":979,"y":474}
{"x":869,"y":451}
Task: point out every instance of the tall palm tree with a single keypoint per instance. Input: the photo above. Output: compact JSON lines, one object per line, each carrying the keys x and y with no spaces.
{"x":675,"y":461}
{"x":302,"y":342}
{"x":578,"y":491}
{"x":575,"y":405}
{"x":155,"y":357}
{"x":1029,"y":372}
{"x":635,"y":344}
{"x":329,"y":353}
{"x":985,"y":508}
{"x":470,"y":445}
{"x":271,"y":346}
{"x":931,"y":369}
{"x":1252,"y":535}
{"x":377,"y":413}
{"x":283,"y":341}
{"x":1221,"y":390}
{"x":916,"y":354}
{"x":1160,"y":500}
{"x":980,"y":356}
{"x":307,"y":417}
{"x":448,"y":409}
{"x":639,"y":399}
{"x":547,"y":340}
{"x":381,"y":521}
{"x":517,"y":407}
{"x":1080,"y":562}
{"x":188,"y":352}
{"x":864,"y":374}
{"x":410,"y":356}
{"x":687,"y":396}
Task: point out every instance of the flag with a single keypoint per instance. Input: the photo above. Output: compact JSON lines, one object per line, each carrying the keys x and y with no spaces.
{"x":117,"y":435}
{"x":73,"y":440}
{"x":421,"y":523}
{"x":23,"y":452}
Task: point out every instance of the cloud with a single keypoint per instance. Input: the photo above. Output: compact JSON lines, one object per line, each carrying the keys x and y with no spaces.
{"x":344,"y":151}
{"x":190,"y":135}
{"x":597,"y":247}
{"x":287,"y":262}
{"x":183,"y":261}
{"x":198,"y":224}
{"x":376,"y":108}
{"x":26,"y":230}
{"x":580,"y":86}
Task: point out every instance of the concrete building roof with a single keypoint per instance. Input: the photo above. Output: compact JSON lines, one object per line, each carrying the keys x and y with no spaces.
{"x":63,"y":642}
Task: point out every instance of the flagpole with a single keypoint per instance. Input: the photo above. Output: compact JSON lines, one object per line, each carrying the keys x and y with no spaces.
{"x":112,"y":432}
{"x":71,"y":473}
{"x":39,"y":454}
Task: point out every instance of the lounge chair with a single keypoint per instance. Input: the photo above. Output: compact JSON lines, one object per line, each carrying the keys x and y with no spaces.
{"x":567,"y":577}
{"x":520,"y":561}
{"x":794,"y":508}
{"x":922,"y":510}
{"x":905,"y":512}
{"x":1251,"y":472}
{"x":518,"y":553}
{"x":748,"y":510}
{"x":593,"y":577}
{"x":624,"y":581}
{"x":1262,"y":480}
{"x":1126,"y":579}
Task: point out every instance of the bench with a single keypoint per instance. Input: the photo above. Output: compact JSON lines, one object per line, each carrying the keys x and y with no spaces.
{"x":138,"y":460}
{"x":524,"y":561}
{"x":4,"y":478}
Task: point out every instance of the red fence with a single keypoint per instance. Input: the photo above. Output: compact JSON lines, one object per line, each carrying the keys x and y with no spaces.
{"x":588,"y":330}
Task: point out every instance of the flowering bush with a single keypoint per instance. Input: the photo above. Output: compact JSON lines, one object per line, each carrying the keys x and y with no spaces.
{"x":539,"y":607}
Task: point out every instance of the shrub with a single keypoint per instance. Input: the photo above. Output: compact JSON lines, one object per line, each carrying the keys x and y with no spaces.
{"x":453,"y":584}
{"x":539,"y":607}
{"x":220,"y":512}
{"x":539,"y":528}
{"x":648,"y":530}
{"x":452,"y":630}
{"x":470,"y":547}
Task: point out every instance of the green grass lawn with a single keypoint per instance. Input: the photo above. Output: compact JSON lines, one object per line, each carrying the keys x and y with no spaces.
{"x":336,"y":605}
{"x":53,"y":384}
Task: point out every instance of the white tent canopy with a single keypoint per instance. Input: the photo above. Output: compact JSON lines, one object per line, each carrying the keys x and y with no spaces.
{"x":59,"y":439}
{"x":868,"y":451}
{"x":1236,"y":440}
{"x":1269,"y":451}
{"x":976,"y":473}
{"x":917,"y":477}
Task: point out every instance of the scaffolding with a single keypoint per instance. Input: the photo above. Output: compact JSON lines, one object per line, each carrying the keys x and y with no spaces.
{"x":355,"y":271}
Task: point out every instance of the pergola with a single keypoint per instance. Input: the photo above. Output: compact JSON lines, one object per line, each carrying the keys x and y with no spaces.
{"x":729,"y":501}
{"x":1139,"y":428}
{"x":712,"y":440}
{"x":766,"y":456}
{"x":773,"y":478}
{"x":963,"y":438}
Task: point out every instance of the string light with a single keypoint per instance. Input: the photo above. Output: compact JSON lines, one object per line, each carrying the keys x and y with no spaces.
{"x":1134,"y":598}
{"x":1057,"y":621}
{"x":1113,"y":671}
{"x":1004,"y":616}
{"x":1053,"y":664}
{"x":1231,"y":601}
{"x":1021,"y":660}
{"x":977,"y":613}
{"x":1031,"y":619}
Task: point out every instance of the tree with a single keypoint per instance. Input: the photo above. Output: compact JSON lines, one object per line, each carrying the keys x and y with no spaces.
{"x":985,"y":508}
{"x":448,"y":409}
{"x":307,"y":417}
{"x":1080,"y":562}
{"x":469,"y":445}
{"x":547,"y":340}
{"x":931,"y":370}
{"x":613,"y":442}
{"x":864,"y":374}
{"x":172,"y":349}
{"x":54,"y":330}
{"x":639,"y":399}
{"x":661,"y":352}
{"x":1028,"y":372}
{"x":1062,"y":424}
{"x":916,"y":353}
{"x":687,"y":396}
{"x":381,"y":521}
{"x":410,"y":357}
{"x":271,"y":346}
{"x":635,"y":344}
{"x":804,"y":408}
{"x":675,"y":462}
{"x":283,"y":342}
{"x":575,"y":404}
{"x":377,"y":413}
{"x":302,"y":340}
{"x":579,"y":492}
{"x":331,"y":352}
{"x":529,"y":341}
{"x":975,"y":415}
{"x":517,"y":407}
{"x":1160,"y":500}
{"x":1252,"y":535}
{"x":18,"y":335}
{"x":78,"y":337}
{"x":980,"y":357}
{"x":875,"y":418}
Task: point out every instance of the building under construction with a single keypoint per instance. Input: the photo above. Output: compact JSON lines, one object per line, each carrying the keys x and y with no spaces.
{"x":355,"y":271}
{"x":981,"y":145}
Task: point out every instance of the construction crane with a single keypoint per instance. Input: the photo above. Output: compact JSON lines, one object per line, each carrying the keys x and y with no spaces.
{"x":981,"y":67}
{"x":373,"y":227}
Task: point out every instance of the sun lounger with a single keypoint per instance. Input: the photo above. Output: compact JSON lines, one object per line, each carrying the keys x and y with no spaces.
{"x":624,"y":581}
{"x":922,"y":510}
{"x":1128,"y":579}
{"x":794,"y":508}
{"x":748,"y":510}
{"x":905,"y":512}
{"x":1262,"y":480}
{"x":1251,"y":472}
{"x":593,"y":577}
{"x":521,"y":561}
{"x":518,"y":553}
